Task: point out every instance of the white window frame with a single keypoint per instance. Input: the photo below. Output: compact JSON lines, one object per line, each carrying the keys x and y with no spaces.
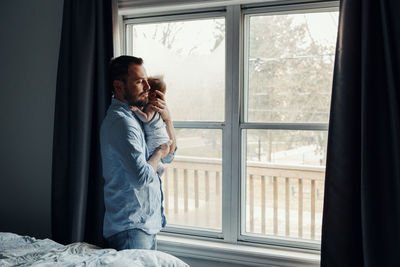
{"x":191,"y":231}
{"x":273,"y":10}
{"x":233,"y":187}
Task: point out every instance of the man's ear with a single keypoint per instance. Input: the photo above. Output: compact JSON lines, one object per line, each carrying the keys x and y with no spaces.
{"x":118,"y":86}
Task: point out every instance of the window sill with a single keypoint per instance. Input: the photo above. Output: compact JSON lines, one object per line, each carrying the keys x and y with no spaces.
{"x":248,"y":255}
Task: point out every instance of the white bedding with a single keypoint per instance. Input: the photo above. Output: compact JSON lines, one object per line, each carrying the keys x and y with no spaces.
{"x":16,"y":250}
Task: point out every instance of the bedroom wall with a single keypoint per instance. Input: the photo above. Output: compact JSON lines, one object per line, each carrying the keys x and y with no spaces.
{"x":30,"y":36}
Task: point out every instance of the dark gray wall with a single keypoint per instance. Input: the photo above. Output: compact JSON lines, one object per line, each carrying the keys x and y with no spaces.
{"x":30,"y":37}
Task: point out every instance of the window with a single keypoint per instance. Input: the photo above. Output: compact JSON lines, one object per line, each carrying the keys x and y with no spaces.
{"x":249,"y":91}
{"x":190,"y":55}
{"x":289,"y":67}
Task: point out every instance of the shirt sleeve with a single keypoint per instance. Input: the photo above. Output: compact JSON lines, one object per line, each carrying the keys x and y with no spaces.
{"x":170,"y":157}
{"x":127,"y":141}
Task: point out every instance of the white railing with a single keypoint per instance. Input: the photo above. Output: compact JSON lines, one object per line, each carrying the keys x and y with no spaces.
{"x":280,"y":200}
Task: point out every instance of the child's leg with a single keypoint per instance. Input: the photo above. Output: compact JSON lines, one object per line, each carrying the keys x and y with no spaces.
{"x":160,"y":169}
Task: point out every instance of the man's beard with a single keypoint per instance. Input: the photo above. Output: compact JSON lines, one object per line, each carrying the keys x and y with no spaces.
{"x":133,"y":101}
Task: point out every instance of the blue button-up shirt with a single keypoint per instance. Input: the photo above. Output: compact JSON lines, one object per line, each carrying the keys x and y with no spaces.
{"x":132,"y":189}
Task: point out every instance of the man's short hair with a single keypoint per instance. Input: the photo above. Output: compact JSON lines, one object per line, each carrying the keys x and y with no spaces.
{"x":119,"y":67}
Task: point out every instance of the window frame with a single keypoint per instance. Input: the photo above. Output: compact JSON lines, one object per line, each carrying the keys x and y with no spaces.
{"x":245,"y":125}
{"x":236,"y":80}
{"x":218,"y":125}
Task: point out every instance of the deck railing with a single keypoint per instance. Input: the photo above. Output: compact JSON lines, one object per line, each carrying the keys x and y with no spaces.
{"x":280,"y":200}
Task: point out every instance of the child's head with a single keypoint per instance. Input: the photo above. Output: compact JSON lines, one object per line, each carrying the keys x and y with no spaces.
{"x":156,"y":84}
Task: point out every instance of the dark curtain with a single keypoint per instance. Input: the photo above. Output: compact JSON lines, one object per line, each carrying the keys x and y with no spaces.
{"x":361,"y":217}
{"x":82,"y":98}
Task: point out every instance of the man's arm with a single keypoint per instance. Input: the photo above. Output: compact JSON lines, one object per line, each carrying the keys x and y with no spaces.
{"x":126,"y":142}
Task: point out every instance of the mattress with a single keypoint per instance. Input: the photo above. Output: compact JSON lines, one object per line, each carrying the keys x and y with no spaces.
{"x":16,"y":250}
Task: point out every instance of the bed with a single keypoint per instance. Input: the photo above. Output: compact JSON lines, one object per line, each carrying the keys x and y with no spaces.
{"x":16,"y":250}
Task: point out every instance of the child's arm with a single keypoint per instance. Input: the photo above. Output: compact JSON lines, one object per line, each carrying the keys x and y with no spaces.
{"x":149,"y":112}
{"x":144,"y":115}
{"x":171,"y":134}
{"x":160,"y":106}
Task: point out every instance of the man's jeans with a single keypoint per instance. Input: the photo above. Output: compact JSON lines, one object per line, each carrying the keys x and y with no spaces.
{"x":132,"y":239}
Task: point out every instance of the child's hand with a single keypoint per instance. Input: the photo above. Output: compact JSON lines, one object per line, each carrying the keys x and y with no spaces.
{"x":152,"y":95}
{"x":160,"y":105}
{"x":134,"y":108}
{"x":164,"y":149}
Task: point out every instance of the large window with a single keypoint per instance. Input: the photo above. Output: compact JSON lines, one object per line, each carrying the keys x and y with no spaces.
{"x":289,"y":65}
{"x":190,"y":55}
{"x":249,"y":90}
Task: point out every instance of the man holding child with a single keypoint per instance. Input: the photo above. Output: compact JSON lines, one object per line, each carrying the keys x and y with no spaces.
{"x":132,"y":190}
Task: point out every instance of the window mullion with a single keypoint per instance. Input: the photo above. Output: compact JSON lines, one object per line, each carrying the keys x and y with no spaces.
{"x":285,"y":126}
{"x":128,"y":48}
{"x":231,"y":149}
{"x":199,"y":125}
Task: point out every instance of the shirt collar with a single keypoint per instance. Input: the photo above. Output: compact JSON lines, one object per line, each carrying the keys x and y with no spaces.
{"x":117,"y":102}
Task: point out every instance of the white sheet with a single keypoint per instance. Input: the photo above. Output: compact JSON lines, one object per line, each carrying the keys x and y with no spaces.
{"x":18,"y":250}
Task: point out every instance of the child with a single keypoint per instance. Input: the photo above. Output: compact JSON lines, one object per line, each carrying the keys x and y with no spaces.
{"x":154,"y":127}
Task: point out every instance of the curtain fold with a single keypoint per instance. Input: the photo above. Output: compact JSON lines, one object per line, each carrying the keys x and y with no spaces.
{"x":362,"y":187}
{"x":82,"y":97}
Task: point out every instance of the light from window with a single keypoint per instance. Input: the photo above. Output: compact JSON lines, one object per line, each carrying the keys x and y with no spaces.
{"x":192,"y":184}
{"x":290,"y":68}
{"x":191,"y":57}
{"x":285,"y":173}
{"x":284,"y":107}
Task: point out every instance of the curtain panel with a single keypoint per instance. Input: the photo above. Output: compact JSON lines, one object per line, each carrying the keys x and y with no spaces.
{"x":82,"y":97}
{"x":362,"y":188}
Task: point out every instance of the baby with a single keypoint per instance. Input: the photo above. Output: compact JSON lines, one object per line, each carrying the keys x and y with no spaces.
{"x":154,"y":127}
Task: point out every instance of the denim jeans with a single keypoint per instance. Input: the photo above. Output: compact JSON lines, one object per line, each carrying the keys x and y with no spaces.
{"x":132,"y":239}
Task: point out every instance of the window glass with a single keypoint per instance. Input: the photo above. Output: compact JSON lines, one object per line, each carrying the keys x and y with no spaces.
{"x":290,"y":67}
{"x":285,"y":173}
{"x":191,"y":57}
{"x":192,"y":183}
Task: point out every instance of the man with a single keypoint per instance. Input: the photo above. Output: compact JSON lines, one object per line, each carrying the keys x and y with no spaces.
{"x":132,"y":189}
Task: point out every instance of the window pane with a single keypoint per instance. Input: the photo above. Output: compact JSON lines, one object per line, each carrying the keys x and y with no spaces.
{"x":191,"y":57}
{"x":290,"y":67}
{"x":192,"y":183}
{"x":285,"y":172}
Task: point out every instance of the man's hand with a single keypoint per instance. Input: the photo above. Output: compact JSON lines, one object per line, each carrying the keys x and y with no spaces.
{"x":160,"y":105}
{"x":161,"y":152}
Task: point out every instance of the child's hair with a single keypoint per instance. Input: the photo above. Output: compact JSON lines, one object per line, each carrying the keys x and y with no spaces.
{"x":157,"y":83}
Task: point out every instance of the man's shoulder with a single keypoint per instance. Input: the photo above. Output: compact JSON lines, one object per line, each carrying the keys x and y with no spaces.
{"x":122,"y":117}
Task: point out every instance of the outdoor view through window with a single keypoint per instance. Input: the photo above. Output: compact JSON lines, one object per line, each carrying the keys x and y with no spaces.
{"x":288,"y":67}
{"x":190,"y":54}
